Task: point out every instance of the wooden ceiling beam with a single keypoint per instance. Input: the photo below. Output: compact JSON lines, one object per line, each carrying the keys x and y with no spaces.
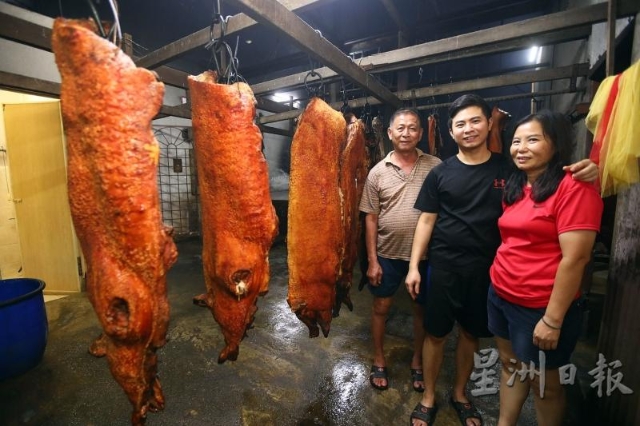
{"x":571,"y":71}
{"x":285,"y":22}
{"x":275,"y":131}
{"x":39,"y":36}
{"x":538,"y":94}
{"x":36,"y":86}
{"x":384,"y":62}
{"x":201,"y":37}
{"x":23,"y":84}
{"x":175,"y":111}
{"x":567,"y":25}
{"x":271,"y":106}
{"x":25,"y":32}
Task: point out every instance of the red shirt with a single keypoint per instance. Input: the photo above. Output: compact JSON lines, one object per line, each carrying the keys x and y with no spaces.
{"x":524,"y":269}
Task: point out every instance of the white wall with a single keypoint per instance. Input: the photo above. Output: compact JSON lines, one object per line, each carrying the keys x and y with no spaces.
{"x":23,"y":60}
{"x":277,"y":151}
{"x":574,"y":52}
{"x":598,"y":39}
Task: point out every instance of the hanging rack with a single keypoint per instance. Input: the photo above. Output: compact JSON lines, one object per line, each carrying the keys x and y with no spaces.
{"x":115,"y":33}
{"x":345,"y":108}
{"x":367,"y":117}
{"x":317,"y":90}
{"x":219,"y":47}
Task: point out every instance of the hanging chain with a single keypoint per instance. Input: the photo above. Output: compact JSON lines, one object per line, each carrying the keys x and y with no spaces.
{"x":219,"y":47}
{"x":317,"y":89}
{"x":115,"y":33}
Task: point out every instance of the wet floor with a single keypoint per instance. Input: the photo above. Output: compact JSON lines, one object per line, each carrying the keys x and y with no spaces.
{"x":281,"y":376}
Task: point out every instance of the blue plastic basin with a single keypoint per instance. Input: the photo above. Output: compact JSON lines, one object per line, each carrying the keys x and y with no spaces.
{"x":23,"y":325}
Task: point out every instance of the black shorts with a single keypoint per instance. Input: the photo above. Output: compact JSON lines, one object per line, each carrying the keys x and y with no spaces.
{"x":457,"y":296}
{"x":394,"y":271}
{"x":516,"y":323}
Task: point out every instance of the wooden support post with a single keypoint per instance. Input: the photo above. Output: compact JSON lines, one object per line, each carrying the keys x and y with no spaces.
{"x":620,"y":323}
{"x":403,"y":76}
{"x":127,"y":44}
{"x":611,"y":37}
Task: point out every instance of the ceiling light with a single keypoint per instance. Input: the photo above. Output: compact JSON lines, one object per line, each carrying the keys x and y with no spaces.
{"x":534,"y":53}
{"x":539,"y":57}
{"x":281,"y":97}
{"x":248,"y":41}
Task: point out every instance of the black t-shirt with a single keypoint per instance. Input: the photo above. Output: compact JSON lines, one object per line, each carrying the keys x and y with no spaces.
{"x":468,"y":201}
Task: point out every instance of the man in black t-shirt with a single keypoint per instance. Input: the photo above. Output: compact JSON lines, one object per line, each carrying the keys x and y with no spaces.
{"x":461,"y":201}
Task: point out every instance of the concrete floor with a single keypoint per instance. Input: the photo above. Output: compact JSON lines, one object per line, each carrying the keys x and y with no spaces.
{"x":280,"y":378}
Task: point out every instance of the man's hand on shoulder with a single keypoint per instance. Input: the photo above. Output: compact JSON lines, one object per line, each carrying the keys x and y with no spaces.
{"x":584,"y":170}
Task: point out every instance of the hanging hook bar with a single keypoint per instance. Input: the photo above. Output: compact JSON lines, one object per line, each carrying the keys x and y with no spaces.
{"x":114,"y":31}
{"x":314,"y":91}
{"x":219,"y":47}
{"x":345,"y":108}
{"x":96,"y":18}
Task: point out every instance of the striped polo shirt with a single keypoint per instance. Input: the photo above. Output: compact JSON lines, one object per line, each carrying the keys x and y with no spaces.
{"x":391,"y":194}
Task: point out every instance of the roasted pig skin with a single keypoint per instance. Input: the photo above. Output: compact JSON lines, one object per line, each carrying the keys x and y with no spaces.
{"x":499,"y":120}
{"x":353,"y":172}
{"x":107,"y":108}
{"x":315,"y":234}
{"x":434,"y":139}
{"x":239,"y":222}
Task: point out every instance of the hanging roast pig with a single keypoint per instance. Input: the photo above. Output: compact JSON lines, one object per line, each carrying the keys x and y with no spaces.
{"x":107,"y":108}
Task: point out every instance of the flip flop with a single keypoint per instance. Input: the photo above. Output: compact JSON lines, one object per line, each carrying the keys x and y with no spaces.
{"x":466,"y":410}
{"x":378,"y":373}
{"x":424,"y":413}
{"x":417,"y":376}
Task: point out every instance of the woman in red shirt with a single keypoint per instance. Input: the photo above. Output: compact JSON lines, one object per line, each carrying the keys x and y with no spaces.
{"x":548,"y":229}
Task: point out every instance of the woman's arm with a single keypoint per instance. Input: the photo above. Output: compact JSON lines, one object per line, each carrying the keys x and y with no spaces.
{"x":576,"y":249}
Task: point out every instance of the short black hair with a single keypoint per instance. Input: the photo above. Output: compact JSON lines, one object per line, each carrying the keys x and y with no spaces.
{"x":466,"y":101}
{"x":405,"y":110}
{"x":557,"y":129}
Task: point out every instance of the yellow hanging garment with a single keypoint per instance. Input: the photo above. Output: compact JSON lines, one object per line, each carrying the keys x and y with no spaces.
{"x":619,"y":149}
{"x":598,"y":104}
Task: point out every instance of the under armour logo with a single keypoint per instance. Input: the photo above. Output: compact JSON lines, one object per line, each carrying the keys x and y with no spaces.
{"x":498,"y":183}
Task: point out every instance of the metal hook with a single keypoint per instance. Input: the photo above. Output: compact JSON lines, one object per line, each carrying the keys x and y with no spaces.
{"x":313,"y":91}
{"x":96,"y":18}
{"x":367,"y":107}
{"x":115,"y":29}
{"x":345,"y":108}
{"x":234,"y":65}
{"x":213,"y":42}
{"x":219,"y":46}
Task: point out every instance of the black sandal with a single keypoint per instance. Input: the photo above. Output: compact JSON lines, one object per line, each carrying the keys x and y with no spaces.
{"x":417,"y":376}
{"x":425,"y":414}
{"x":378,"y":373}
{"x":465,"y":411}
